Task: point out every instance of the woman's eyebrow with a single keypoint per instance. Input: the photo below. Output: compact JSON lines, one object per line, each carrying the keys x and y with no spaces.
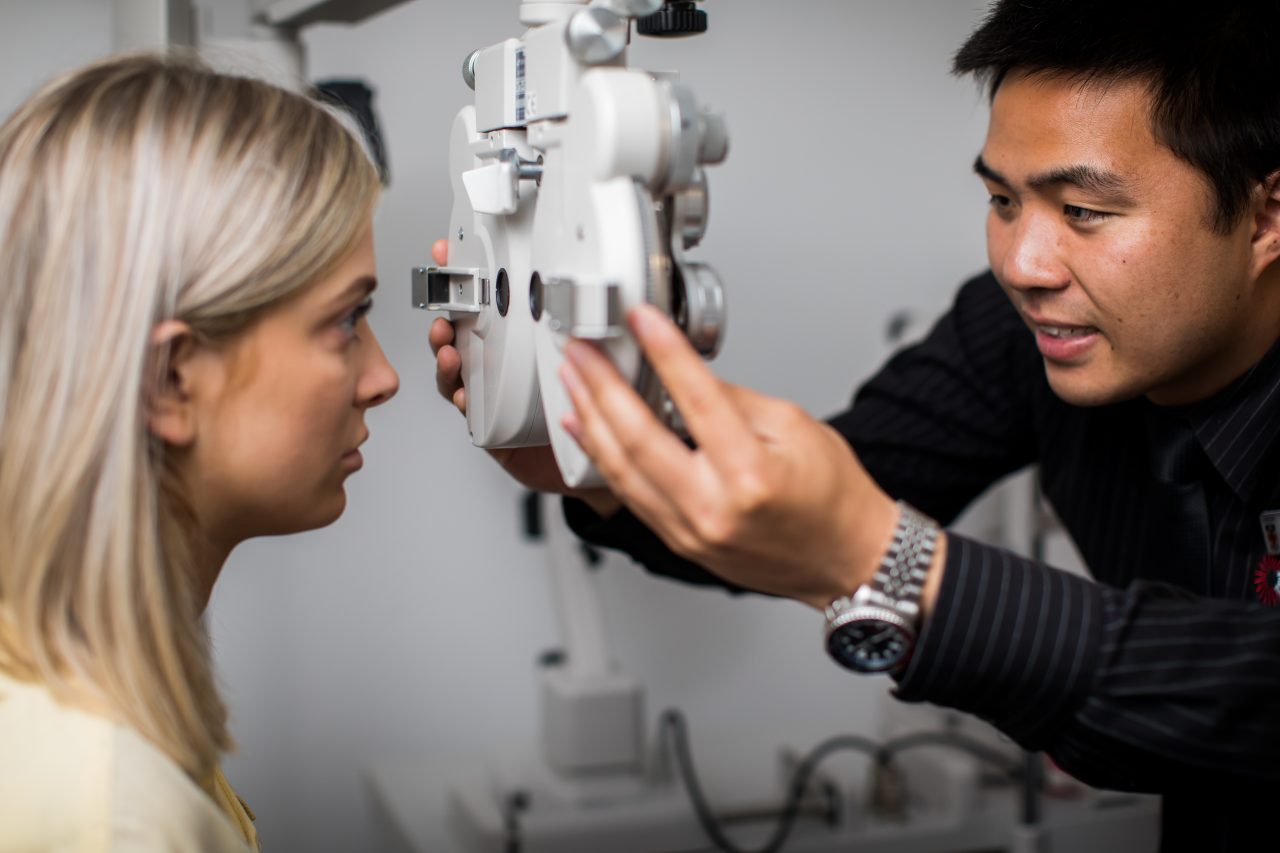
{"x":362,"y":286}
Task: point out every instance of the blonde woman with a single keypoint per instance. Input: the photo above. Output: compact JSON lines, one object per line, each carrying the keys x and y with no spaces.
{"x":186,"y":262}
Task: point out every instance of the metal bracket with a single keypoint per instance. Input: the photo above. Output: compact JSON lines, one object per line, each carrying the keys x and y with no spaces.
{"x":459,"y":289}
{"x":494,"y":189}
{"x":593,"y":312}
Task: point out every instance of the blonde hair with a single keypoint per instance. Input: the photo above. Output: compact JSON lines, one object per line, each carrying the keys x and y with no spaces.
{"x":138,"y":189}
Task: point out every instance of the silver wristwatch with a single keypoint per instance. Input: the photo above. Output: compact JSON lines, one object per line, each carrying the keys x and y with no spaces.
{"x":875,"y":629}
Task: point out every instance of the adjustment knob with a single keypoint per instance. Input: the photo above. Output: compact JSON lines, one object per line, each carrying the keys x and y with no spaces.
{"x":690,"y":209}
{"x":596,"y":35}
{"x":632,"y":8}
{"x":713,"y":141}
{"x":700,"y":310}
{"x":677,"y":18}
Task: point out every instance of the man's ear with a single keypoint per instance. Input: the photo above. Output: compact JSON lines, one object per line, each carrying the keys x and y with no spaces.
{"x":1266,"y":218}
{"x":171,"y":415}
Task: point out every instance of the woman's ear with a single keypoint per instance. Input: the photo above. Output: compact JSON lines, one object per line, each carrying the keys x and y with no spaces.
{"x":171,"y":415}
{"x":1266,"y":234}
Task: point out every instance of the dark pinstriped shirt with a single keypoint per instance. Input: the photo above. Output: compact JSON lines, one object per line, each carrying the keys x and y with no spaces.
{"x":1160,"y":675}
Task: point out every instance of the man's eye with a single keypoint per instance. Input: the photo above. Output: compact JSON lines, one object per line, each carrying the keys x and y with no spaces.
{"x":1083,"y":214}
{"x":1001,"y":204}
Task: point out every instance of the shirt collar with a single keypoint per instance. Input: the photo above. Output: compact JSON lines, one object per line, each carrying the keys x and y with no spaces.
{"x":1239,"y":427}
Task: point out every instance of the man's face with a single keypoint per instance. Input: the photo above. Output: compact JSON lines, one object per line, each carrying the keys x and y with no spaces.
{"x":1103,"y":240}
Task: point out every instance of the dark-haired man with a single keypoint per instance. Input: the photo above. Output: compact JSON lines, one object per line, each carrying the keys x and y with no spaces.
{"x":1125,"y":340}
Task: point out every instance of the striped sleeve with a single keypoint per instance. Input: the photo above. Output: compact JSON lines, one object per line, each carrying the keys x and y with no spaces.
{"x":1011,"y":641}
{"x":1145,"y":689}
{"x":1188,"y":692}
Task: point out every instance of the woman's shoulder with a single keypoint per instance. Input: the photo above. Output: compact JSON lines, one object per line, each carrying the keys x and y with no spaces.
{"x":78,"y":781}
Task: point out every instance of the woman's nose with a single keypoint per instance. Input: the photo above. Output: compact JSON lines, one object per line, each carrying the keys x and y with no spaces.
{"x":379,"y":381}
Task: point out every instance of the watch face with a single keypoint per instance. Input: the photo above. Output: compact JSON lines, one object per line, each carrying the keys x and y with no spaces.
{"x":870,"y":645}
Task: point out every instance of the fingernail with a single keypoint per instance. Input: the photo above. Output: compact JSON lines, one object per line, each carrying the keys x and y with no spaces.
{"x":569,"y":376}
{"x":576,"y":352}
{"x":644,"y":320}
{"x":572,"y":426}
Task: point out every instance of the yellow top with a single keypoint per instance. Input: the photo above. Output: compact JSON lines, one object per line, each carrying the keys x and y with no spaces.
{"x":76,"y":782}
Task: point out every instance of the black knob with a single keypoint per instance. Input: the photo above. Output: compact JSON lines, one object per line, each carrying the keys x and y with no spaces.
{"x":677,"y":18}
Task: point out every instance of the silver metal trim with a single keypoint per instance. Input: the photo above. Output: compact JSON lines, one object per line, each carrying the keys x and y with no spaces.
{"x":464,"y":289}
{"x":899,"y":581}
{"x":592,"y":312}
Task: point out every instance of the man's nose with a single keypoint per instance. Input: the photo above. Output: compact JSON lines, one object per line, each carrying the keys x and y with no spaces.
{"x":1033,"y":259}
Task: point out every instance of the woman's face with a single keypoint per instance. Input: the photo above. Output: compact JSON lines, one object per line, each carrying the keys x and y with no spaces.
{"x":282,"y":406}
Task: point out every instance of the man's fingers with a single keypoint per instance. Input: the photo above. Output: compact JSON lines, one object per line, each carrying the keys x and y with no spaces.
{"x":709,"y":411}
{"x":440,"y":334}
{"x":448,"y":371}
{"x":627,"y":476}
{"x":769,"y":417}
{"x":440,"y":252}
{"x":632,"y":437}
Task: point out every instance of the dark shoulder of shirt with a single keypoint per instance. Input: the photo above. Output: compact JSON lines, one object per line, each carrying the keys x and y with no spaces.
{"x":948,"y":416}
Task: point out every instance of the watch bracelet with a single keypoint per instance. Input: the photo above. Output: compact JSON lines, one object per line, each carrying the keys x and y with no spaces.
{"x":910,"y":554}
{"x":893,"y":594}
{"x":905,"y":564}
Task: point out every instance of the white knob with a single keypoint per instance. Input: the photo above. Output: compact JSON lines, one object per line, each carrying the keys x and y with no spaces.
{"x":493,"y":189}
{"x":596,"y":35}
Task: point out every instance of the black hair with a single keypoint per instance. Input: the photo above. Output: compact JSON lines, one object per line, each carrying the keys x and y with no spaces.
{"x":1212,"y":70}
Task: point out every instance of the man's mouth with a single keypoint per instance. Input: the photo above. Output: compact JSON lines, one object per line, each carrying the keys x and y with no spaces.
{"x":1064,"y":332}
{"x":1065,"y":344}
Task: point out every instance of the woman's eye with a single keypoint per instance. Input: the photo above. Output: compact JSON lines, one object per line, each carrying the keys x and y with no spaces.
{"x":1083,"y":214}
{"x":351,"y":320}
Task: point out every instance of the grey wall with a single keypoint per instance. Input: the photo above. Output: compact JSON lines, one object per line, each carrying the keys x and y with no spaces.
{"x":408,"y":630}
{"x":40,"y":39}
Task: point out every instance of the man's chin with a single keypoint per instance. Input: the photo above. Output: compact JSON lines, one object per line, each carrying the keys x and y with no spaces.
{"x":1078,"y":388}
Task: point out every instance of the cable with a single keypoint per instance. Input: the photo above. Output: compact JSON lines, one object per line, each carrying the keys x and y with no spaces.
{"x":673,"y":721}
{"x":954,"y":740}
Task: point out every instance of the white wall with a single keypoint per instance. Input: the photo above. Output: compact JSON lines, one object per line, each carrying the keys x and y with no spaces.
{"x":410,"y":627}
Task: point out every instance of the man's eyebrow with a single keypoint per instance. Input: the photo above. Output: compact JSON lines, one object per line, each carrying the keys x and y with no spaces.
{"x":984,"y":171}
{"x":1088,"y":178}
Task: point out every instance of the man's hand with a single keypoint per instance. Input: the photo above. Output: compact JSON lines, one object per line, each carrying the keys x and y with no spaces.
{"x":533,"y":467}
{"x":448,"y":362}
{"x":771,"y":499}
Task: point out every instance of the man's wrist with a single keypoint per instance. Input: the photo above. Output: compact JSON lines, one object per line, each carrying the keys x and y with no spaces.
{"x":875,"y":531}
{"x":602,"y":502}
{"x":868,"y":565}
{"x":875,"y":630}
{"x":885,"y":523}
